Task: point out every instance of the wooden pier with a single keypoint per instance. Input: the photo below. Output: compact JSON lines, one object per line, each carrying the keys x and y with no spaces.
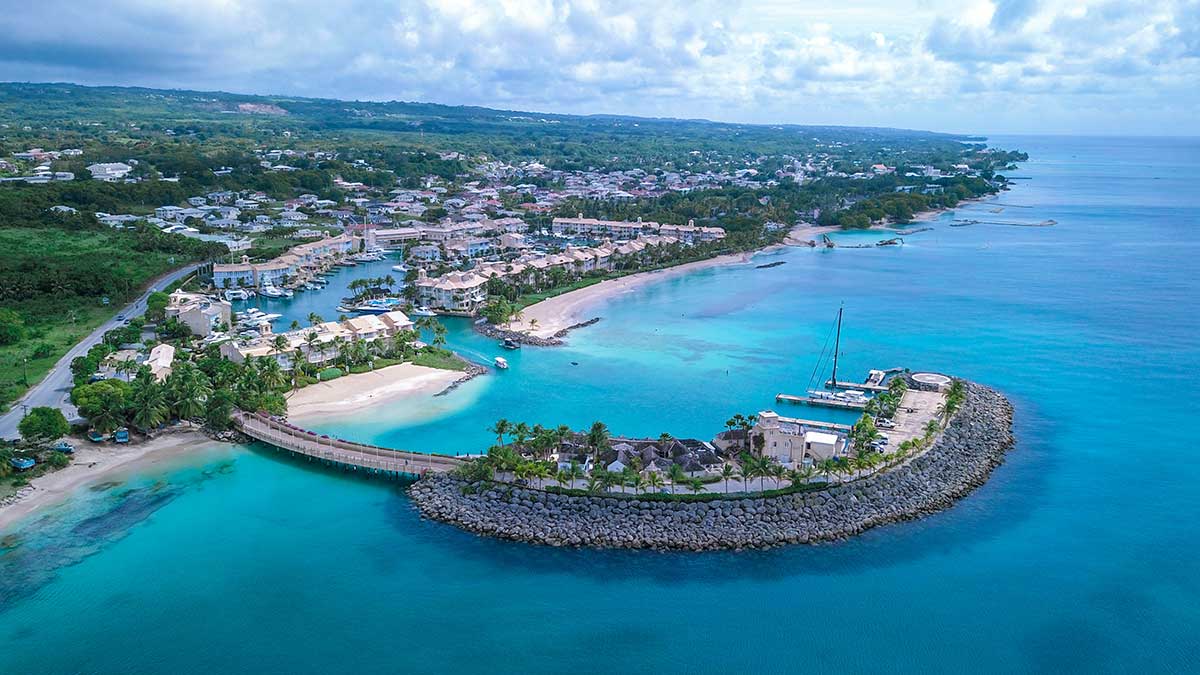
{"x":337,"y":452}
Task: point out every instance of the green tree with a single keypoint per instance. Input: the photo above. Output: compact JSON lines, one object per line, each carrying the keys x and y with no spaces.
{"x":43,"y":424}
{"x":12,"y":327}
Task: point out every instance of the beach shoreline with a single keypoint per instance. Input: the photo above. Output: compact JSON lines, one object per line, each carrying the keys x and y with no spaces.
{"x":353,"y":393}
{"x":92,"y":462}
{"x":560,"y":313}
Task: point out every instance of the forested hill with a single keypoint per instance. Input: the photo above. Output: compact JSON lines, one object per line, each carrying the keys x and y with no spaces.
{"x":561,"y":141}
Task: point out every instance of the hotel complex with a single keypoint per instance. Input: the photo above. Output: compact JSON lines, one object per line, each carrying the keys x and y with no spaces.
{"x":466,"y":292}
{"x":298,"y":262}
{"x":621,"y":229}
{"x":319,"y":344}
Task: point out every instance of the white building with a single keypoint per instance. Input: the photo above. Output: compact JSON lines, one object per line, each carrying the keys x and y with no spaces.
{"x":109,"y":171}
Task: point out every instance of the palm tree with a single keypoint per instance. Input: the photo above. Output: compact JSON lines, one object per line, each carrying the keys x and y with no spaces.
{"x":747,"y":471}
{"x":727,"y":472}
{"x":314,"y":318}
{"x":539,"y":471}
{"x":533,"y":324}
{"x":520,"y":433}
{"x":279,"y":344}
{"x":597,"y":436}
{"x":501,"y":428}
{"x":695,"y":485}
{"x":594,"y":484}
{"x":778,"y":472}
{"x":654,"y":480}
{"x":676,"y":474}
{"x":272,"y":374}
{"x":798,"y":476}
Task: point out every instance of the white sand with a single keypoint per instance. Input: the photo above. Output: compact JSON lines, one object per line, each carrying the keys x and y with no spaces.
{"x":94,"y":461}
{"x":352,"y":393}
{"x":568,"y":309}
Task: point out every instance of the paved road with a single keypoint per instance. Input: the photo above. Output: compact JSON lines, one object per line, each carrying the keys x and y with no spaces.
{"x":55,"y":389}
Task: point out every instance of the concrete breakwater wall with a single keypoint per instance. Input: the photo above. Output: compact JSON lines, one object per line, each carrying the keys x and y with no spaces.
{"x":973,"y":444}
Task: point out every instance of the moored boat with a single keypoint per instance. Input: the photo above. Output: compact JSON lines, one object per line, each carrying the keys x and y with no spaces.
{"x":22,"y":463}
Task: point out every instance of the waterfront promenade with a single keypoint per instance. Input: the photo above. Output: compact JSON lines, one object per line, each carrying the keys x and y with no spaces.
{"x":355,"y":456}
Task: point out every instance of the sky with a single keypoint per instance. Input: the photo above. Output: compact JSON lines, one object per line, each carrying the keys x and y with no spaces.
{"x":967,"y":66}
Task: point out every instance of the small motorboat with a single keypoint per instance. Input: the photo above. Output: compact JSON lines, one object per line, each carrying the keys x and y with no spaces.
{"x":64,"y":447}
{"x":501,"y":363}
{"x":121,"y":435}
{"x":423,"y":311}
{"x":95,"y":436}
{"x":509,"y":343}
{"x":22,"y":463}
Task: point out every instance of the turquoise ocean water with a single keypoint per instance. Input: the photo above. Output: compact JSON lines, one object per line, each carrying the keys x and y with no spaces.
{"x":1080,"y":555}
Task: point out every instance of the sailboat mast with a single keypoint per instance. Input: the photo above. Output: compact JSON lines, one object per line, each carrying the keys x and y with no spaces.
{"x":837,"y":347}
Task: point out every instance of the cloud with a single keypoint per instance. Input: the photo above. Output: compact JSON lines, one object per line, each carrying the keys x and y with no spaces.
{"x":973,"y":66}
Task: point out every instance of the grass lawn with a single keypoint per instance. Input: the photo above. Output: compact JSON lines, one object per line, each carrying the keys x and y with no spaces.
{"x":445,"y":361}
{"x":55,"y":323}
{"x":534,"y":298}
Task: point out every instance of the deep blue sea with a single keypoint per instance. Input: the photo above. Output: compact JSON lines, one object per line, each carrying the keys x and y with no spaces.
{"x":1080,"y":555}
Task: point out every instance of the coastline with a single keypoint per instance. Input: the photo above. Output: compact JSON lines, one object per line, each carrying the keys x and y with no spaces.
{"x":352,"y":393}
{"x":92,"y":462}
{"x":966,"y":453}
{"x":561,"y":312}
{"x":557,"y":315}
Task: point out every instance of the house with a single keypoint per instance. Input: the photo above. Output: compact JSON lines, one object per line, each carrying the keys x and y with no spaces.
{"x":109,"y":171}
{"x":160,"y":360}
{"x":456,"y":291}
{"x":202,"y":314}
{"x":790,"y":442}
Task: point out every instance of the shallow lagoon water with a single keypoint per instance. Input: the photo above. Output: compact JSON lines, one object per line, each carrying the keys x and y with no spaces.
{"x":1077,"y":556}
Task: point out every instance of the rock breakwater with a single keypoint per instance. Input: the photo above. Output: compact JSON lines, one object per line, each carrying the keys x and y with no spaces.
{"x":493,"y":331}
{"x":961,"y":459}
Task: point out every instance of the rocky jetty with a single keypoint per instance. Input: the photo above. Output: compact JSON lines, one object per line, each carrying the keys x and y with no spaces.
{"x":973,"y":444}
{"x":470,"y":372}
{"x":499,"y":333}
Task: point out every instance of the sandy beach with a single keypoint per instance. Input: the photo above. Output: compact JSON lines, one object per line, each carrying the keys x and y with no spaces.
{"x":568,"y":309}
{"x":92,"y":462}
{"x":352,"y":393}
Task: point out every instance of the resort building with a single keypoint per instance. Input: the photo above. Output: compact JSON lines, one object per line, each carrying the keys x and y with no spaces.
{"x":202,"y":314}
{"x":621,"y":229}
{"x":318,"y":344}
{"x":454,"y":292}
{"x":295,"y":264}
{"x":790,"y":442}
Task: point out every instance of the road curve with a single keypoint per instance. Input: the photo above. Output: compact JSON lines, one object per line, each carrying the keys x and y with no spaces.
{"x":54,"y":390}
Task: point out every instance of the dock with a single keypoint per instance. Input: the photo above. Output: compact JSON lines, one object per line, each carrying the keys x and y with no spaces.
{"x":341,"y":453}
{"x":816,"y":424}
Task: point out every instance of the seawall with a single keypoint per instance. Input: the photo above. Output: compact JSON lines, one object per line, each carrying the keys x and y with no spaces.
{"x":961,"y":459}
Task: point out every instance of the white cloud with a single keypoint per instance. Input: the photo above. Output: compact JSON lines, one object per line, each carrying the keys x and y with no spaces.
{"x":985,"y":65}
